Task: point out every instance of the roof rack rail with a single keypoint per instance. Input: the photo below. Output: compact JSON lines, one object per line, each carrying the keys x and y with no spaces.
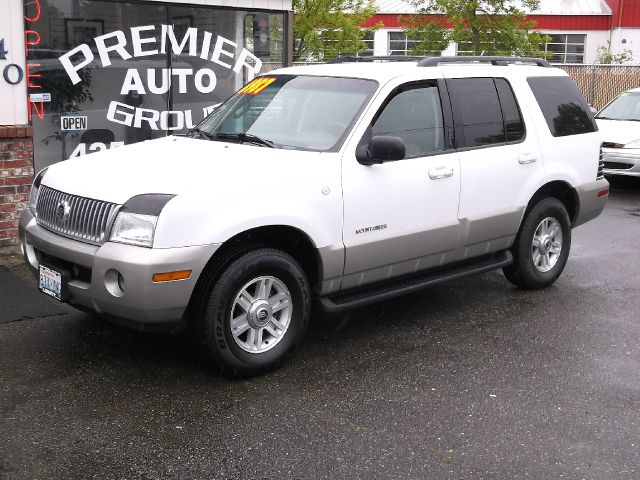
{"x":435,"y":61}
{"x":393,"y":58}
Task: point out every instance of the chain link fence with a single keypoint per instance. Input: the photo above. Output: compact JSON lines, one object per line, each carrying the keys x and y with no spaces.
{"x":602,"y":83}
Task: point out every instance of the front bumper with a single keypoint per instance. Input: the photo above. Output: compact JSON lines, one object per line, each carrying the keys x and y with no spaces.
{"x":621,"y":161}
{"x":592,"y":198}
{"x":92,"y":284}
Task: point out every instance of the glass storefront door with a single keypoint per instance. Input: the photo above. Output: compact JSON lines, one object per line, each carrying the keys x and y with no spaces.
{"x":215,"y":81}
{"x":108,"y":73}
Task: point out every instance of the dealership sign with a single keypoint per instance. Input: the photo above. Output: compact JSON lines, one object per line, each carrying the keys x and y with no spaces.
{"x":12,"y":73}
{"x":144,"y":43}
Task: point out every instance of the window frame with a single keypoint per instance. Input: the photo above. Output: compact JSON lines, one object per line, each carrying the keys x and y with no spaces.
{"x":401,"y":53}
{"x":370,"y":43}
{"x":566,"y":43}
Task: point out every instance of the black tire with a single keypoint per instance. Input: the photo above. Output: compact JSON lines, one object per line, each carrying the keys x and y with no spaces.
{"x":523,"y":272}
{"x":214,"y":322}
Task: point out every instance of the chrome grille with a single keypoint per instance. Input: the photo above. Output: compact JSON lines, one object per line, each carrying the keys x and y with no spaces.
{"x":600,"y":173}
{"x":87,"y":219}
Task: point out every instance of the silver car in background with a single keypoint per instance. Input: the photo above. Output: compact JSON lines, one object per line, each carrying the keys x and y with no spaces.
{"x":619,"y":123}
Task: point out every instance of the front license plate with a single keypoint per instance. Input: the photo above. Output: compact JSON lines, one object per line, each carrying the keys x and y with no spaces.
{"x":50,"y":282}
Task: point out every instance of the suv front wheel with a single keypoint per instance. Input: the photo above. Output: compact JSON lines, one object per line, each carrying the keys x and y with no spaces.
{"x":257,"y":312}
{"x":541,"y":248}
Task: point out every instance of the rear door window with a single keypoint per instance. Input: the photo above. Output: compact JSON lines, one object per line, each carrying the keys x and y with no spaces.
{"x":485,"y":112}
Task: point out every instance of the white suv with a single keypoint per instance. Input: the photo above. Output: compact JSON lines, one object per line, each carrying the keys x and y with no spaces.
{"x":345,"y":183}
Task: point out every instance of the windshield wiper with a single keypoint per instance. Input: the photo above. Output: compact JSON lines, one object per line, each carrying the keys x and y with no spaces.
{"x":201,"y":133}
{"x":244,"y":138}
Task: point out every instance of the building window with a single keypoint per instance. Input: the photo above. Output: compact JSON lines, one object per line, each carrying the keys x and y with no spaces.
{"x":566,"y":48}
{"x":330,"y":47}
{"x":368,"y":39}
{"x":400,"y":44}
{"x":466,"y":48}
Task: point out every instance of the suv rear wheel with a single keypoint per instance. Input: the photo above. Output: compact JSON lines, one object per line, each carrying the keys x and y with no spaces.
{"x":257,"y":313}
{"x":542,"y":245}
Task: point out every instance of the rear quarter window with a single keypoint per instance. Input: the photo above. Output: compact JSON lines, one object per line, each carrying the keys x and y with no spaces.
{"x":562,"y":105}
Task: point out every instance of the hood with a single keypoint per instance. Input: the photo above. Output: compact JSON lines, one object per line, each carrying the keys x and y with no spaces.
{"x":177,"y":165}
{"x":619,"y":131}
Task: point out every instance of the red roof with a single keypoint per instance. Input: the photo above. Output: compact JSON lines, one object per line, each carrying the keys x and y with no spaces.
{"x":543,"y":22}
{"x":626,"y":13}
{"x":571,"y":22}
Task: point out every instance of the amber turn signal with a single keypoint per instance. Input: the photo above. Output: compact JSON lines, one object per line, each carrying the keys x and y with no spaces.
{"x":171,"y":276}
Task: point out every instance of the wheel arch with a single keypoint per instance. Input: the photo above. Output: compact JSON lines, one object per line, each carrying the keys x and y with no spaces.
{"x":561,"y":190}
{"x":290,"y":240}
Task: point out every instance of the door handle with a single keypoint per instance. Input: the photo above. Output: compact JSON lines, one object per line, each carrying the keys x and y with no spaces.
{"x":440,"y":172}
{"x":525,"y":158}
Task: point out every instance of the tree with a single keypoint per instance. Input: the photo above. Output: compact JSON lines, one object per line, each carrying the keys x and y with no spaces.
{"x":325,"y":29}
{"x":606,"y":57}
{"x":480,"y":27}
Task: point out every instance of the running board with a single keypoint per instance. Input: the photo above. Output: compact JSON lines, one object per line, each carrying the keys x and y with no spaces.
{"x":359,"y":297}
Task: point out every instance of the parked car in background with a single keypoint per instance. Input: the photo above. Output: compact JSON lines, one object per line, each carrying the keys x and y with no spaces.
{"x":619,"y":123}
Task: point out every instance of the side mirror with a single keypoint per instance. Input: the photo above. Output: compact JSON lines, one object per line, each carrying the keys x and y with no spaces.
{"x":381,"y":149}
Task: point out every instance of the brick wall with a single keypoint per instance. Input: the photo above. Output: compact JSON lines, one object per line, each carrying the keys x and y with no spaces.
{"x":16,"y":175}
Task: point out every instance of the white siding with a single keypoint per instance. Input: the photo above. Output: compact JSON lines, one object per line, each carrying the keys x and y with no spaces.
{"x":13,"y":97}
{"x":626,"y":39}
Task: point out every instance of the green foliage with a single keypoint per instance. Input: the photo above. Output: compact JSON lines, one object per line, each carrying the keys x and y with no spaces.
{"x":431,"y":37}
{"x":605,"y":56}
{"x":480,"y":27}
{"x":325,"y":29}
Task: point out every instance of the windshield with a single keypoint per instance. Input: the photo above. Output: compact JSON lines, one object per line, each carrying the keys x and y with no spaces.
{"x":625,"y":107}
{"x":295,"y":112}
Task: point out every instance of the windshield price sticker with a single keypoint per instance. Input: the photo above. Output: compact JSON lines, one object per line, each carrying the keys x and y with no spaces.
{"x":257,"y":85}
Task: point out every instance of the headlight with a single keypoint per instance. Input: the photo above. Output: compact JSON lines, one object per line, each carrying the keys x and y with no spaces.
{"x":137,"y":219}
{"x":634,"y":144}
{"x":35,"y":190}
{"x":134,"y":229}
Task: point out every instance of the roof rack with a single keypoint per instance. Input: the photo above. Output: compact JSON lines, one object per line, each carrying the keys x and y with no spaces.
{"x":435,"y":61}
{"x":394,"y":58}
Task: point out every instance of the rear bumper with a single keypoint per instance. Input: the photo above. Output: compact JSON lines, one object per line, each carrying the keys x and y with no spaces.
{"x":93,"y":285}
{"x":592,"y":197}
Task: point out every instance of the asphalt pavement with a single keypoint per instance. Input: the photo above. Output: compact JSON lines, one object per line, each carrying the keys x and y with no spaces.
{"x":473,"y":380}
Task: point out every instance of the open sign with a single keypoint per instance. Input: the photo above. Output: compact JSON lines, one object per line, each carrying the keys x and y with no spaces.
{"x":73,"y":123}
